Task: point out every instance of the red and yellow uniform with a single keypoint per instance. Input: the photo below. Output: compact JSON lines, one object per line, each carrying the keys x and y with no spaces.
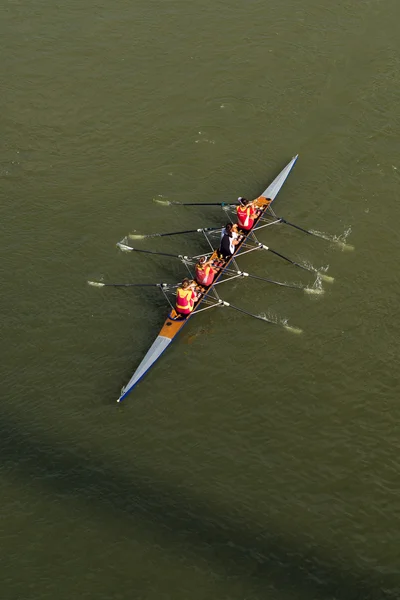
{"x":246,"y":215}
{"x":185,"y":299}
{"x":204,"y":274}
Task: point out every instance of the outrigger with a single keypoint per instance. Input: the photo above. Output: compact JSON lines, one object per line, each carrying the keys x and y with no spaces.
{"x":208,"y":296}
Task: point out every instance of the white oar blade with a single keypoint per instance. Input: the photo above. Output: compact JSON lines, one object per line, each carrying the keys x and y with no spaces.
{"x":161,"y":200}
{"x":291,"y":329}
{"x":137,"y":236}
{"x":123,"y":247}
{"x":326,"y":278}
{"x":314,"y":291}
{"x":279,"y":321}
{"x":96,"y":283}
{"x":345,"y":247}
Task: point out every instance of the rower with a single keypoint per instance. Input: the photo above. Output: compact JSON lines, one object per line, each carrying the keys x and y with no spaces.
{"x":234,"y":229}
{"x":204,"y":271}
{"x":186,"y":297}
{"x":246,"y":213}
{"x":229,"y":242}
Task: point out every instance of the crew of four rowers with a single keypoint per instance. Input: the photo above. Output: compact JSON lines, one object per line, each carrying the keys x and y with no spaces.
{"x":187,"y":294}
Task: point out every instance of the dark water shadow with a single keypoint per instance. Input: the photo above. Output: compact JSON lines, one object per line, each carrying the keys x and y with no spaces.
{"x":240,"y":549}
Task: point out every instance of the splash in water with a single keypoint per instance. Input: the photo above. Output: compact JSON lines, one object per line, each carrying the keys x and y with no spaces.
{"x":316,"y":289}
{"x":271,"y":318}
{"x":321,"y":272}
{"x":339,"y":240}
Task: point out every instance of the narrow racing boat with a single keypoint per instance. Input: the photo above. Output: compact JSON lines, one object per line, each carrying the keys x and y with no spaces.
{"x":209,"y":297}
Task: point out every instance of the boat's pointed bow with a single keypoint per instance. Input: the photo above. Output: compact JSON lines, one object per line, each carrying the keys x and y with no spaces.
{"x":273,"y":189}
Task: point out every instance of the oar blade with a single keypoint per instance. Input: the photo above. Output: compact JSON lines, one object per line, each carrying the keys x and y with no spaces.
{"x":291,"y":329}
{"x":345,"y":247}
{"x":139,"y":236}
{"x":163,"y":201}
{"x":337,"y":240}
{"x":282,"y":322}
{"x":326,"y":277}
{"x":263,"y":317}
{"x":96,"y":283}
{"x":124,"y":247}
{"x":314,"y":291}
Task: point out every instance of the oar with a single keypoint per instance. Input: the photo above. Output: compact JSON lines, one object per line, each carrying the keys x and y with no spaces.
{"x":343,"y":245}
{"x":159,"y":285}
{"x":172,"y":202}
{"x":262,"y":318}
{"x":282,"y":220}
{"x":138,"y":236}
{"x":311,"y":269}
{"x":307,"y":290}
{"x":126,"y":248}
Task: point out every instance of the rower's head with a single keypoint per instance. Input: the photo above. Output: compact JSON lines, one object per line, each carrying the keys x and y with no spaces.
{"x":243,"y":201}
{"x":228,"y":227}
{"x":185,"y":283}
{"x":202,"y":260}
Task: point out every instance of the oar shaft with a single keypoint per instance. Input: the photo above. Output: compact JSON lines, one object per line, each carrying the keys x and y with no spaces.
{"x":286,"y":258}
{"x":289,"y":285}
{"x":100,"y":284}
{"x":136,"y":284}
{"x":260,"y":318}
{"x":203,"y":203}
{"x":243,"y":274}
{"x":322,"y":236}
{"x":130,"y":248}
{"x":249,"y":314}
{"x":296,"y":226}
{"x":186,"y":231}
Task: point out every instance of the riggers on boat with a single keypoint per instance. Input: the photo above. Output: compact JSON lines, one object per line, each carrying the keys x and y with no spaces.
{"x":209,"y":297}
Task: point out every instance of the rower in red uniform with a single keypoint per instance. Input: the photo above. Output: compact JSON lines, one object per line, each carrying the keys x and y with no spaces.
{"x":204,"y":271}
{"x":186,"y":296}
{"x":246,"y":213}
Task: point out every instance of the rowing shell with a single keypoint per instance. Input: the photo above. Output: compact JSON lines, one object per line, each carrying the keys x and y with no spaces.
{"x":174,"y":323}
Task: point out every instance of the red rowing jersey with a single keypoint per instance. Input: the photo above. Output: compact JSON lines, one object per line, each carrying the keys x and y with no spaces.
{"x":204,"y":275}
{"x":185,"y":301}
{"x":245,"y":215}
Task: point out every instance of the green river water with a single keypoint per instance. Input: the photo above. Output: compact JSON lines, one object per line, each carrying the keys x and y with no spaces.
{"x":251,"y":463}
